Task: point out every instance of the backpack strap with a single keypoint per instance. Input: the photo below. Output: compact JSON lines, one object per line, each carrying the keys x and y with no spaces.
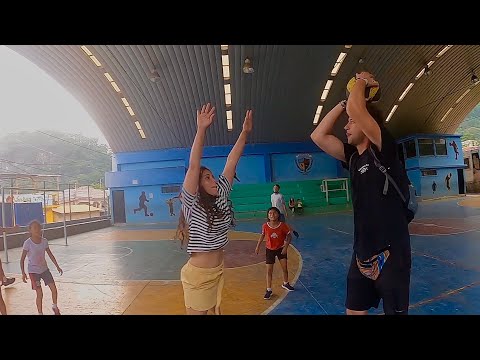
{"x":350,"y":166}
{"x":388,"y":177}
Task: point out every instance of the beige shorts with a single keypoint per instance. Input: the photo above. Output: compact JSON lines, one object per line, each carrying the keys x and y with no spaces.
{"x":202,"y":287}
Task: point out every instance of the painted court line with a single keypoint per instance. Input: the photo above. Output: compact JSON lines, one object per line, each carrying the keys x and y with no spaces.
{"x":449,"y":234}
{"x":281,"y":297}
{"x":314,"y":298}
{"x":444,"y":295}
{"x":340,"y":231}
{"x":466,"y":267}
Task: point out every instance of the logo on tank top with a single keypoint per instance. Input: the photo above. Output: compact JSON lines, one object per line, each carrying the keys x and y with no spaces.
{"x":274,"y":236}
{"x":363,"y":169}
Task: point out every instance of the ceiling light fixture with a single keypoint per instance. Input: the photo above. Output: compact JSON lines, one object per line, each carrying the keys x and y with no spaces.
{"x":247,"y":66}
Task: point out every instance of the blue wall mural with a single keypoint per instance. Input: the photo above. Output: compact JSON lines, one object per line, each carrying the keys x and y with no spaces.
{"x":147,"y":204}
{"x":444,"y":183}
{"x":149,"y":171}
{"x":433,"y":163}
{"x":432,"y":150}
{"x":436,"y":156}
{"x":303,"y":166}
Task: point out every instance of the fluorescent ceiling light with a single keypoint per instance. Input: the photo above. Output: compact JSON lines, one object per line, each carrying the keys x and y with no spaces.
{"x":107,"y":75}
{"x":95,"y":60}
{"x":405,"y":92}
{"x":115,"y":86}
{"x":391,"y":113}
{"x":419,"y":75}
{"x":444,"y":50}
{"x":462,"y":96}
{"x":85,"y":49}
{"x":225,"y":60}
{"x":226,"y":72}
{"x":326,"y":90}
{"x":446,"y":114}
{"x":338,"y":63}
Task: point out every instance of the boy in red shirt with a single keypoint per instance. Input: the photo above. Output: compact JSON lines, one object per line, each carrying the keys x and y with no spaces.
{"x":278,"y":237}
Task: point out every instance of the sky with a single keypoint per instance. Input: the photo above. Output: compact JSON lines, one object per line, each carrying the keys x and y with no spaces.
{"x":31,"y":100}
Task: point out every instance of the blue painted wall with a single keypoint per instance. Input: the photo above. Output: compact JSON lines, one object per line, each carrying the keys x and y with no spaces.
{"x":441,"y":188}
{"x":8,"y":214}
{"x":416,"y":180}
{"x":442,"y":164}
{"x":121,"y":179}
{"x":156,"y":205}
{"x":26,"y":212}
{"x":261,"y":163}
{"x":152,"y":165}
{"x":250,"y":168}
{"x":285,"y":168}
{"x":451,"y":159}
{"x":256,"y":165}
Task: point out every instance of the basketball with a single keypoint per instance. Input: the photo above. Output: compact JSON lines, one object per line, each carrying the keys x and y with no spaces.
{"x":372,"y":94}
{"x":151,"y":214}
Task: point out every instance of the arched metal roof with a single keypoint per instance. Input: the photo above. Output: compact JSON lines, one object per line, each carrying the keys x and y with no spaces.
{"x":165,"y":84}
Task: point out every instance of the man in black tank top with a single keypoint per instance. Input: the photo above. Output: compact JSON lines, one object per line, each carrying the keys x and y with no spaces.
{"x":381,"y":260}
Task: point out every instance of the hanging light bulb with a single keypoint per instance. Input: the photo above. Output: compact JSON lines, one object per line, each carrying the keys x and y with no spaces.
{"x":247,"y":67}
{"x":475,"y":79}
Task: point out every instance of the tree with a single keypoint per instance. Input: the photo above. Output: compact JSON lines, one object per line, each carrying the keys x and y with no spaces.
{"x":470,"y":127}
{"x":76,"y":157}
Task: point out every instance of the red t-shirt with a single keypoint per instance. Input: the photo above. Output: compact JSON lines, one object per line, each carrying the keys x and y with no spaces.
{"x":275,"y":237}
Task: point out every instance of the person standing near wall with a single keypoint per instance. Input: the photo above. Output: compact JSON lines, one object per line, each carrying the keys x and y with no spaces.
{"x":278,"y":202}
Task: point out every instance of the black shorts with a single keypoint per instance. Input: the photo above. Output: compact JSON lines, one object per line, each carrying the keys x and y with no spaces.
{"x":392,"y":285}
{"x":35,"y":279}
{"x":281,"y":218}
{"x":271,"y":254}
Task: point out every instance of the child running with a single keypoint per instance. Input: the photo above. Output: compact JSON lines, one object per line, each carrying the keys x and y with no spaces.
{"x":35,"y":247}
{"x":278,"y":236}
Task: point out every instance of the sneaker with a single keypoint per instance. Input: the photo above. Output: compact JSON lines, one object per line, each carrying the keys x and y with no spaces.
{"x":56,"y":310}
{"x":9,"y":281}
{"x":268,"y":295}
{"x":288,"y":287}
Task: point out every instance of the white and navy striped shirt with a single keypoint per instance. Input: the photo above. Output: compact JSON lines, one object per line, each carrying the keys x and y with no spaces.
{"x":201,"y":238}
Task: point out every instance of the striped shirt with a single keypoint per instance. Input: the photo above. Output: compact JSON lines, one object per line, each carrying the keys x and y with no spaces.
{"x":201,"y":239}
